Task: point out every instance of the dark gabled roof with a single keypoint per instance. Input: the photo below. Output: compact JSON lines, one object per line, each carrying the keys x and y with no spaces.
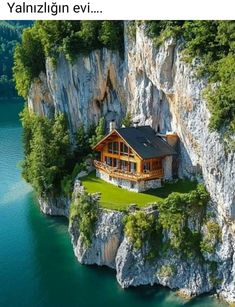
{"x":144,"y":141}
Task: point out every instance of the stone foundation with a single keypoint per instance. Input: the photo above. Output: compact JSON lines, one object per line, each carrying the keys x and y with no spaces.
{"x":133,"y":186}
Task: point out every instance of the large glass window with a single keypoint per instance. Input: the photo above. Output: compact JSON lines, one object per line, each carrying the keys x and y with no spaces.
{"x":113,"y":147}
{"x":123,"y":149}
{"x":133,"y":167}
{"x":124,"y":165}
{"x":110,"y":147}
{"x":115,"y":162}
{"x":108,"y":161}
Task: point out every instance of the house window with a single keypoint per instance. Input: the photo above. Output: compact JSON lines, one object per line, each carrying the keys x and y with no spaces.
{"x":133,"y":167}
{"x":110,"y":147}
{"x":113,"y":147}
{"x":146,"y":166}
{"x":131,"y":153}
{"x":124,"y":165}
{"x":124,"y":149}
{"x":115,"y":162}
{"x":108,"y":161}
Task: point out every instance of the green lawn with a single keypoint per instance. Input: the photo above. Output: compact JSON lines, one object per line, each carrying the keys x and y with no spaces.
{"x":113,"y":197}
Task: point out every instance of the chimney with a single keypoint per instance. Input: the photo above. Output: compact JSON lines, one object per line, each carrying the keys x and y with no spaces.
{"x":172,"y":138}
{"x":135,"y":124}
{"x":112,"y":125}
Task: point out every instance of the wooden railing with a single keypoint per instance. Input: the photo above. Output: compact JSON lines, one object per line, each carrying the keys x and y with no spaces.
{"x":118,"y":173}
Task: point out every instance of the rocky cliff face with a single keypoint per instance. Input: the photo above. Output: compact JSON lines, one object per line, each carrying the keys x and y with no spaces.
{"x":106,"y":240}
{"x":55,"y":206}
{"x":190,"y":276}
{"x":159,"y":89}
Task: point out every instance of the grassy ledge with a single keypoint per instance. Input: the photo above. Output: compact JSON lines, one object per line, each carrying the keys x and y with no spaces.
{"x":113,"y":197}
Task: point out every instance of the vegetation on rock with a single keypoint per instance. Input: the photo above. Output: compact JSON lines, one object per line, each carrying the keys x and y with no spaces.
{"x":99,"y":132}
{"x":174,"y":214}
{"x":85,"y":210}
{"x":213,"y":44}
{"x":211,"y":237}
{"x":167,"y":271}
{"x":173,"y":217}
{"x":127,"y":121}
{"x":140,"y":227}
{"x":48,"y":39}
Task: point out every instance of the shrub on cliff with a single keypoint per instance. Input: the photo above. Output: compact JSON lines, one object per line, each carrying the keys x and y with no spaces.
{"x":51,"y":162}
{"x":143,"y":229}
{"x":211,"y":238}
{"x":127,"y":120}
{"x":174,"y":214}
{"x":85,"y":209}
{"x":173,"y":218}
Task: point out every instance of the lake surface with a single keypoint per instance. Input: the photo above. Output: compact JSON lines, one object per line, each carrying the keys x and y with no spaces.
{"x":37,"y":264}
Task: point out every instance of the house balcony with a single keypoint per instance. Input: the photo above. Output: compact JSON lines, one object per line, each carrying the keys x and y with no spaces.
{"x":123,"y":174}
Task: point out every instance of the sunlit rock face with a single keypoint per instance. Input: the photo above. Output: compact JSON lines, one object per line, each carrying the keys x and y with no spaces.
{"x":160,"y":90}
{"x":105,"y":242}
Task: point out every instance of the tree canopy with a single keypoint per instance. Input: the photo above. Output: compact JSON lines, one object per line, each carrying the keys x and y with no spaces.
{"x":10,"y":33}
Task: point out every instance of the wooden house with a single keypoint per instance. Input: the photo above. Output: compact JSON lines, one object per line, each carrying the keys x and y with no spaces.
{"x":135,"y":158}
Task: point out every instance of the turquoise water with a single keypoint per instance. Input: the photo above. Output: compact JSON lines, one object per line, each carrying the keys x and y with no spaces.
{"x":37,"y":264}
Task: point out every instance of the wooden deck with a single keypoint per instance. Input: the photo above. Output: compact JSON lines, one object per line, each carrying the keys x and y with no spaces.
{"x":118,"y":173}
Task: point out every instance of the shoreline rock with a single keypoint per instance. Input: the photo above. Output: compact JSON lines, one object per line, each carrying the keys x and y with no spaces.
{"x":55,"y":206}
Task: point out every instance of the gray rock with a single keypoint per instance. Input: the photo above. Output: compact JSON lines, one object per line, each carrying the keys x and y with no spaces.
{"x":105,"y":242}
{"x":58,"y":206}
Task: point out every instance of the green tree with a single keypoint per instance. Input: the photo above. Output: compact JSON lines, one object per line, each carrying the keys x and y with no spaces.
{"x":127,"y":120}
{"x":99,"y":132}
{"x":82,"y":140}
{"x":111,"y":35}
{"x":47,"y":151}
{"x":36,"y":168}
{"x":29,"y":61}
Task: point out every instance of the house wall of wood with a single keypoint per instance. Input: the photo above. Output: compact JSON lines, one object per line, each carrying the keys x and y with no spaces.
{"x":130,"y":156}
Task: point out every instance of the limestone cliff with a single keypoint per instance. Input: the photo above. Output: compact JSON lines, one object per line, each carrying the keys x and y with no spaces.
{"x":159,"y":89}
{"x":190,"y":276}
